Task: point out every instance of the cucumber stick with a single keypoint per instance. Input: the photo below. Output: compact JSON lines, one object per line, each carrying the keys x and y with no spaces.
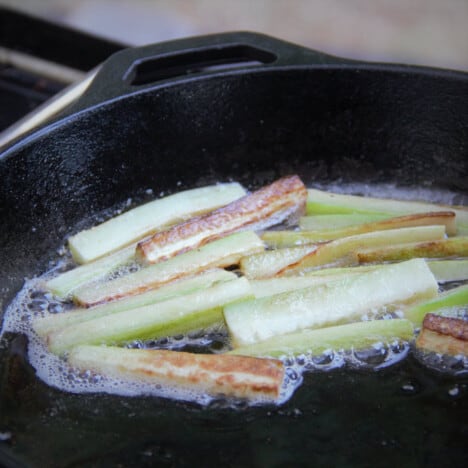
{"x":271,"y":286}
{"x":219,"y":253}
{"x":357,"y":335}
{"x":345,"y":247}
{"x":321,"y":202}
{"x":279,"y":239}
{"x":193,"y":311}
{"x":266,"y":264}
{"x":453,"y":298}
{"x":146,"y":219}
{"x":63,"y":284}
{"x":216,"y":374}
{"x":257,"y":320}
{"x":341,"y":252}
{"x":449,"y":270}
{"x":438,"y":248}
{"x":443,"y":271}
{"x":53,"y":322}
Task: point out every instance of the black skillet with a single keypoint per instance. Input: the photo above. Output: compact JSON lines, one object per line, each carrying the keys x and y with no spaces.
{"x":243,"y":107}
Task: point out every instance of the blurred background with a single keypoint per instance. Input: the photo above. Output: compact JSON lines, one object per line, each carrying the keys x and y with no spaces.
{"x":428,"y":32}
{"x":45,"y":45}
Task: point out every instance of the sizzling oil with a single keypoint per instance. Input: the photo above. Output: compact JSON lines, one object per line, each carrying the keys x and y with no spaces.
{"x":32,"y":301}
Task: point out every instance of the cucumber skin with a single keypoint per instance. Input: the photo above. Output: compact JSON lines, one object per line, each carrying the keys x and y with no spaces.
{"x":218,"y":253}
{"x":457,"y":297}
{"x":358,"y":335}
{"x":63,"y":284}
{"x":54,"y":322}
{"x":177,"y":315}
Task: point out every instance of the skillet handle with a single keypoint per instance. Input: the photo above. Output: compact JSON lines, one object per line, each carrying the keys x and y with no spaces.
{"x":154,"y":65}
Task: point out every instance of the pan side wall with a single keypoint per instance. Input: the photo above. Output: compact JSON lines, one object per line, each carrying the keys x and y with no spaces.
{"x":326,"y":125}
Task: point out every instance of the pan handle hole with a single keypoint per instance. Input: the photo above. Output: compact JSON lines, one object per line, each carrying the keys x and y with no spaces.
{"x":153,"y":69}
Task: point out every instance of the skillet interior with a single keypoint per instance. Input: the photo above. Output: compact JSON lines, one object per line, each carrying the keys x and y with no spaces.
{"x":352,"y":123}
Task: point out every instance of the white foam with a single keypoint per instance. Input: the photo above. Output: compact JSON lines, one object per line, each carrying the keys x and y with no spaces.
{"x":32,"y":301}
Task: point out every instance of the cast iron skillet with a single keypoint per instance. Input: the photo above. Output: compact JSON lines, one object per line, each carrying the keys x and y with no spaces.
{"x":250,"y":108}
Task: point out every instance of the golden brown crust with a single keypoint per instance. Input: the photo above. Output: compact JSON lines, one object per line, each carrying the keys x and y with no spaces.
{"x":451,"y":326}
{"x":216,"y":362}
{"x":444,"y":248}
{"x":283,"y":197}
{"x":445,"y":335}
{"x":221,"y":254}
{"x":157,"y":283}
{"x":215,"y":374}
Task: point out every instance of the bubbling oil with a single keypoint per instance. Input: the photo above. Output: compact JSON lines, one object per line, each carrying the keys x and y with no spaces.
{"x":33,"y":302}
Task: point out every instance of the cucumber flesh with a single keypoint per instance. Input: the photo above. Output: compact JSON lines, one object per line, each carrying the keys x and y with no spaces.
{"x":54,"y":322}
{"x":63,"y":284}
{"x":345,"y":247}
{"x":444,"y":271}
{"x":146,"y":219}
{"x":267,"y":264}
{"x":220,"y":253}
{"x":449,"y":270}
{"x":270,"y":205}
{"x":321,"y":202}
{"x":291,"y":238}
{"x":271,"y":286}
{"x":453,"y":298}
{"x":357,"y":335}
{"x":252,"y":321}
{"x":177,"y":315}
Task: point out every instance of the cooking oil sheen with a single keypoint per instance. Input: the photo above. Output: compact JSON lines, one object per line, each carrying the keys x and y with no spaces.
{"x":33,"y":301}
